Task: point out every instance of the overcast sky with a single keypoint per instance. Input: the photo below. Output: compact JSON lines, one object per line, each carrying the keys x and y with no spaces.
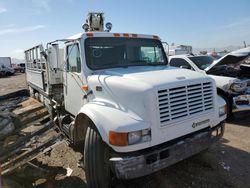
{"x":202,"y":24}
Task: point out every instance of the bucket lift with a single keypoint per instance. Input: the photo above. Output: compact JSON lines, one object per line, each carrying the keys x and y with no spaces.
{"x":95,"y":22}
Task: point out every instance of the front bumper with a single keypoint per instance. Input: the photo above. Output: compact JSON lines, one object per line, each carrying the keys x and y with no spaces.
{"x":147,"y":161}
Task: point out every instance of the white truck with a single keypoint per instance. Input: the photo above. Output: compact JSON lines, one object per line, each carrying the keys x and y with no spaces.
{"x":118,"y":103}
{"x":5,"y":67}
{"x":179,"y":49}
{"x":233,"y":84}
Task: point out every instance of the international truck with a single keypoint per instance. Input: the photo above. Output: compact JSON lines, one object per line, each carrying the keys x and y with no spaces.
{"x":116,"y":100}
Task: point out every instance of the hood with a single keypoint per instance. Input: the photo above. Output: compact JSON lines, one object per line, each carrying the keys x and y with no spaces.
{"x":133,"y":87}
{"x":233,"y":57}
{"x":152,"y":76}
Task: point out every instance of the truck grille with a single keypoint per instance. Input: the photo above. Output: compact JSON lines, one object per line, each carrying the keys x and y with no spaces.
{"x":179,"y":102}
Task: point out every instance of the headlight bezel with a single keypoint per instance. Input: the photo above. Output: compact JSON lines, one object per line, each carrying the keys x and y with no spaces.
{"x":139,"y":136}
{"x":222,"y":110}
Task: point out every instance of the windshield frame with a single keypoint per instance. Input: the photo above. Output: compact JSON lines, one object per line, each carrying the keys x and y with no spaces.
{"x":128,"y":64}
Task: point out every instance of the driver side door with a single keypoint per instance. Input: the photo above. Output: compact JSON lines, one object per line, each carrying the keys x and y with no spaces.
{"x":73,"y":80}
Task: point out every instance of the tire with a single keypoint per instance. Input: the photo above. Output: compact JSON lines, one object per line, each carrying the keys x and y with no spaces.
{"x":96,"y":154}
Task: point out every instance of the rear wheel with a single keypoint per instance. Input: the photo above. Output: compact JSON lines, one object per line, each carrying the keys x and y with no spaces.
{"x":96,"y":155}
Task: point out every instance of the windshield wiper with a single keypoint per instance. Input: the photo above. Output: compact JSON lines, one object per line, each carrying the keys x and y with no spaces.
{"x":139,"y":61}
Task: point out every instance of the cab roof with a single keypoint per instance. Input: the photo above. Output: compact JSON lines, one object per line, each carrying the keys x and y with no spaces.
{"x":108,"y":34}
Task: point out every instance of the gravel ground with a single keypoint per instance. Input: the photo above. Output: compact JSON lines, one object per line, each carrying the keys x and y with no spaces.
{"x":226,"y":164}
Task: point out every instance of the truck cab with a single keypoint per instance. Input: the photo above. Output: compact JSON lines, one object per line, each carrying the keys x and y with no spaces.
{"x":129,"y":113}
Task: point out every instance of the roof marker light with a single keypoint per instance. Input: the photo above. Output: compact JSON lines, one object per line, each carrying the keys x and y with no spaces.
{"x":89,"y":34}
{"x":126,"y":35}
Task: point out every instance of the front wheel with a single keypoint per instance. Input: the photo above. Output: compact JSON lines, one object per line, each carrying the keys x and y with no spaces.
{"x":96,"y":155}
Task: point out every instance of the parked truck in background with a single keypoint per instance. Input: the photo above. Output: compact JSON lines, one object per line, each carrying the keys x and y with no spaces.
{"x":117,"y":102}
{"x":5,"y":67}
{"x":231,"y":76}
{"x":179,"y":49}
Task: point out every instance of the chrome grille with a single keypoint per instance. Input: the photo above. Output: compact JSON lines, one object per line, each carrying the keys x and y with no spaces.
{"x":179,"y":102}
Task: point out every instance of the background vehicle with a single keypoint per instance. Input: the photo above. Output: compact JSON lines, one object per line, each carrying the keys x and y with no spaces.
{"x":179,"y":49}
{"x":232,"y":84}
{"x":19,"y":67}
{"x":114,"y":95}
{"x":5,"y":66}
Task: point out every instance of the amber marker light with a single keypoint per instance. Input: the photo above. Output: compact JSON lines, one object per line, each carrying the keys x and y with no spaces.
{"x":116,"y":34}
{"x":118,"y":139}
{"x":126,"y":35}
{"x":85,"y":87}
{"x":89,"y":34}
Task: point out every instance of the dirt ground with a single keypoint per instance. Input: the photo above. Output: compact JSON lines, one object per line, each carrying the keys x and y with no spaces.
{"x":12,"y":83}
{"x":226,"y":164}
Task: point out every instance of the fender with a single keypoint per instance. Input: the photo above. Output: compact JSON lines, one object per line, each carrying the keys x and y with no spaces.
{"x":106,"y":118}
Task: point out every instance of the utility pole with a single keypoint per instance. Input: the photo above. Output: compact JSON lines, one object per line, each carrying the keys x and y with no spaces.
{"x":245,"y":45}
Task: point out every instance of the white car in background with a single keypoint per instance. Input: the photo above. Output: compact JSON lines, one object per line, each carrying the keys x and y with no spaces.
{"x":232,"y":78}
{"x":6,"y":71}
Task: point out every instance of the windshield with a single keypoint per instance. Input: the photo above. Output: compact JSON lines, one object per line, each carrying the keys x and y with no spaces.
{"x":202,"y":62}
{"x":110,"y":52}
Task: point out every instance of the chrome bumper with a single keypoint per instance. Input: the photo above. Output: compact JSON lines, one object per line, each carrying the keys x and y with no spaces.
{"x":144,"y":162}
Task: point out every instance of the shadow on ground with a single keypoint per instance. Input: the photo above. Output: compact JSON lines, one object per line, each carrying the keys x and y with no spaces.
{"x":43,"y":176}
{"x":241,"y":118}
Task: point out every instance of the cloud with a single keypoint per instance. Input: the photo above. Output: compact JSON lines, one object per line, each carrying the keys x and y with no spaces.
{"x":239,"y":23}
{"x":2,"y":10}
{"x":21,"y":30}
{"x":7,"y":26}
{"x":43,"y":4}
{"x":17,"y":51}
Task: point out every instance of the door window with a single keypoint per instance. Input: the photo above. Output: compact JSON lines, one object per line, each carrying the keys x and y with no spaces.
{"x":73,"y":58}
{"x":181,"y":63}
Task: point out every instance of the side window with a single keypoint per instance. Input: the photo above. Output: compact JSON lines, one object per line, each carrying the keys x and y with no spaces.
{"x":151,"y":54}
{"x":181,"y":63}
{"x":73,"y":58}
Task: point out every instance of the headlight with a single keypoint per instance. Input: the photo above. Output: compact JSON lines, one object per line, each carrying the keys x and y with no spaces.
{"x":139,"y":136}
{"x":223,"y":110}
{"x":239,"y":86}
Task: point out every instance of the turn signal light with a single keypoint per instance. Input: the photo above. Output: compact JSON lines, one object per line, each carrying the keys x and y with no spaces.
{"x":118,"y":139}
